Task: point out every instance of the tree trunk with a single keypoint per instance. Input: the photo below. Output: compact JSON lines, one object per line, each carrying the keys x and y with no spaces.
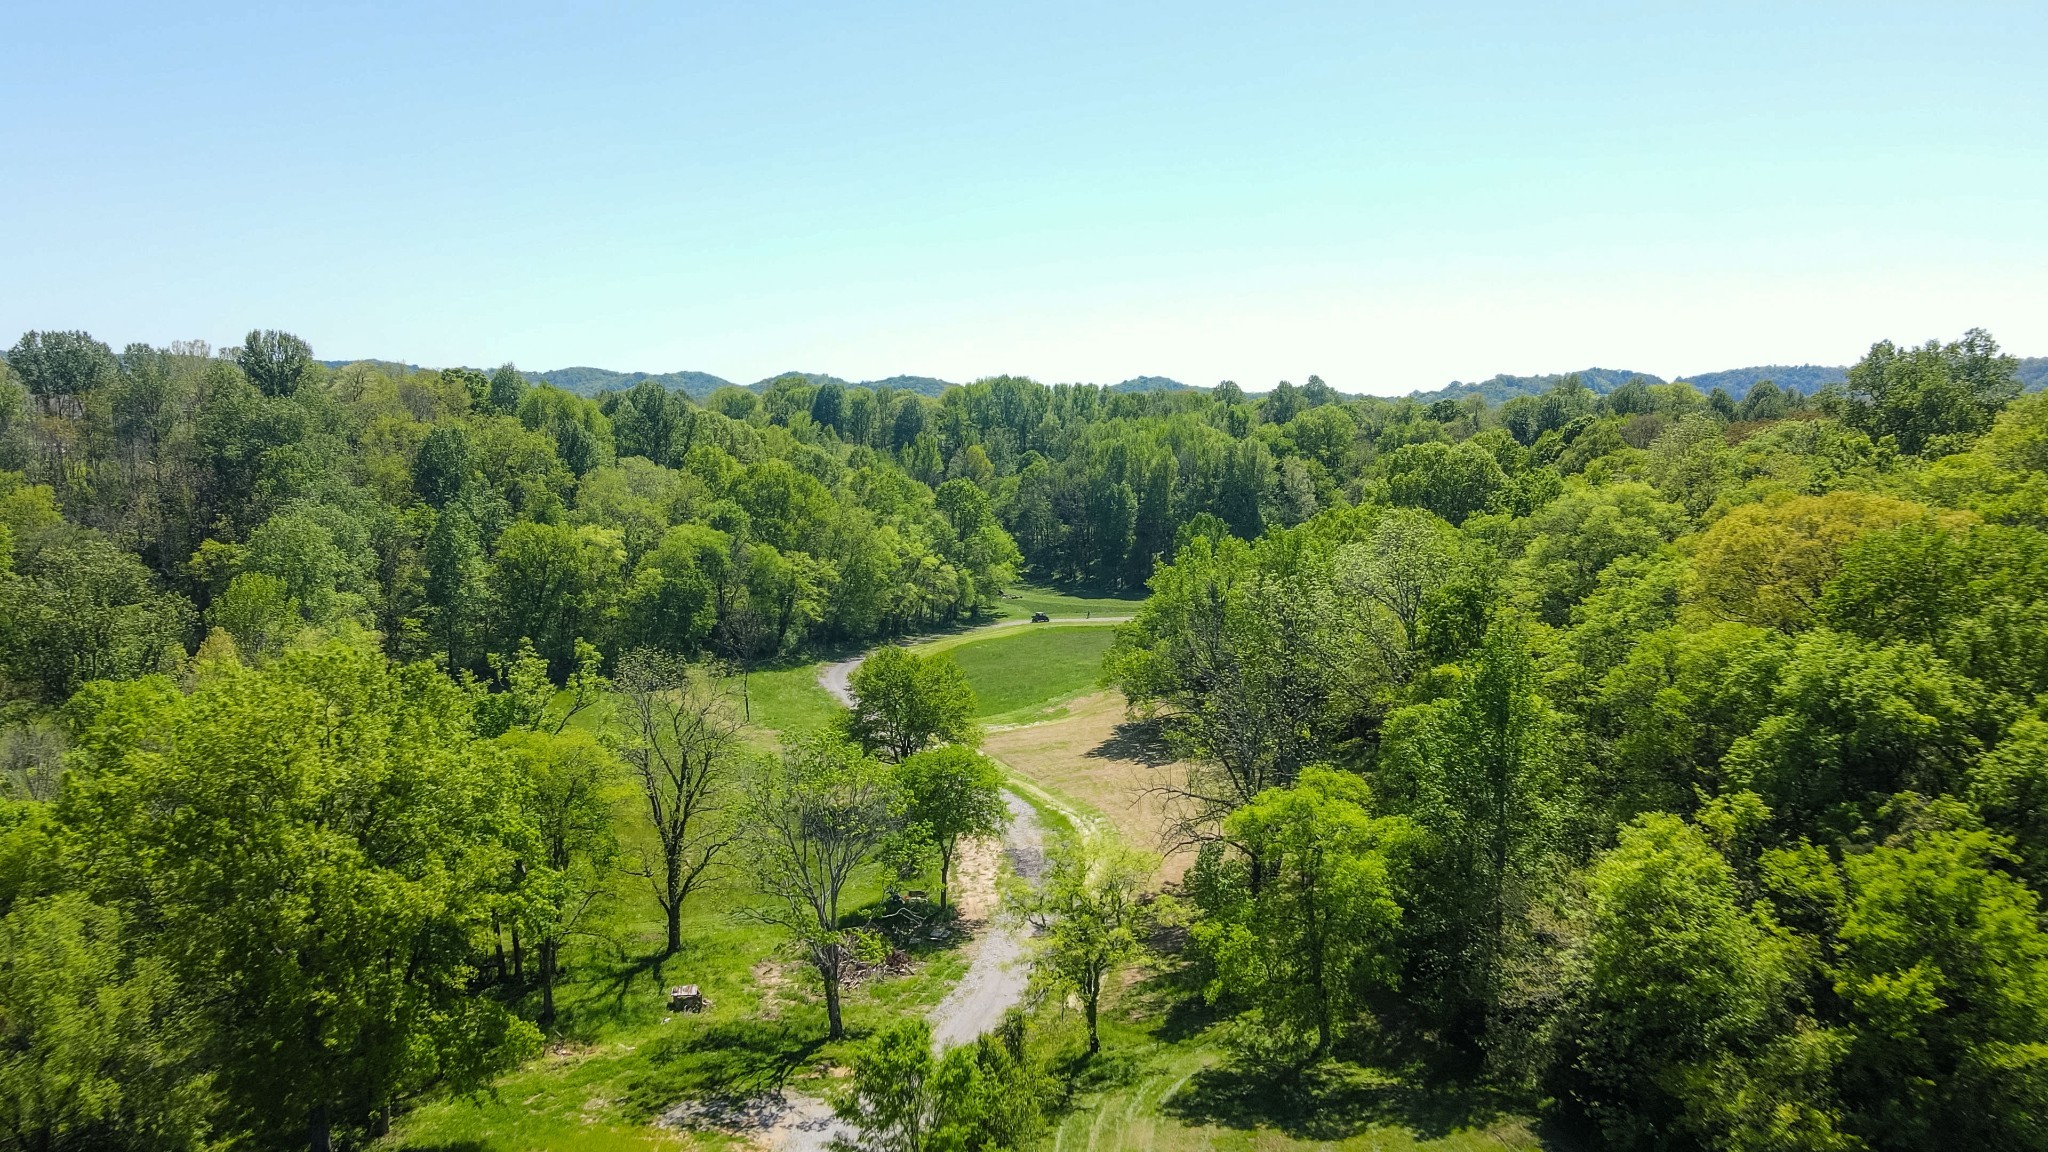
{"x":318,"y":1138}
{"x":675,"y":929}
{"x":1094,"y":1039}
{"x":836,"y":1029}
{"x":518,"y":958}
{"x":547,"y":984}
{"x":945,"y":873}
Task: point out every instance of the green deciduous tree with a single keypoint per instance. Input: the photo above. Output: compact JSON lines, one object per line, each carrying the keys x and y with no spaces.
{"x":325,"y":840}
{"x":1680,"y":975}
{"x":1478,"y":771}
{"x":1943,"y":972}
{"x":1242,"y":653}
{"x":78,"y":609}
{"x":1321,"y":931}
{"x":952,"y":793}
{"x":1092,"y":919}
{"x":555,"y":584}
{"x":61,"y":363}
{"x":1452,"y":480}
{"x":904,"y":703}
{"x":568,"y":790}
{"x":457,"y":586}
{"x":1920,"y":396}
{"x":274,"y":361}
{"x":98,"y":1048}
{"x":903,"y":1099}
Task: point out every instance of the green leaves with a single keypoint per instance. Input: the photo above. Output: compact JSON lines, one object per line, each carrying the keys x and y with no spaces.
{"x":904,"y":703}
{"x":1092,"y":918}
{"x":952,"y":792}
{"x":322,"y":845}
{"x":818,"y":815}
{"x":1923,"y":396}
{"x":98,"y":1047}
{"x":1319,"y":931}
{"x":274,"y":361}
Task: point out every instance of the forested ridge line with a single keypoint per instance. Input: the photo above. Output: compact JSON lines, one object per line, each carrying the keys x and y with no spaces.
{"x":1667,"y":764}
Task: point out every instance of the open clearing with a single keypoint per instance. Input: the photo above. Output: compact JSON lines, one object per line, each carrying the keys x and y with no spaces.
{"x":623,"y":1063}
{"x":1094,"y":757}
{"x":1024,"y":599}
{"x":1020,"y":672}
{"x":1184,"y":1098}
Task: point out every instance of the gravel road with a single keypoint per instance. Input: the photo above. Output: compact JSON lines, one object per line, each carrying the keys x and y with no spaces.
{"x":994,"y":981}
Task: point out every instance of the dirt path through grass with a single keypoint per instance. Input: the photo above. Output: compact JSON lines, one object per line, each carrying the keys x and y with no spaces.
{"x":996,"y":978}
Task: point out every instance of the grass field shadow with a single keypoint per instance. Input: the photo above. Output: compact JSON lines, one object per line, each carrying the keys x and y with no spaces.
{"x":741,"y":1059}
{"x":1332,"y":1100}
{"x":1137,"y":741}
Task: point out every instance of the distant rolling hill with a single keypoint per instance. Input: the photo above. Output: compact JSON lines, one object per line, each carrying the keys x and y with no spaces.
{"x":590,"y":381}
{"x":1154,"y":384}
{"x":1807,"y":378}
{"x":1504,"y":387}
{"x":922,"y":385}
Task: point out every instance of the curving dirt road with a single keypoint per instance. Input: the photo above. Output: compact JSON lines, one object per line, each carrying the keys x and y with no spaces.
{"x":995,"y":980}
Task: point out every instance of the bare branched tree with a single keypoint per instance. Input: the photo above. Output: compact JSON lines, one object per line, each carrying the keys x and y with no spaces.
{"x":683,"y":747}
{"x":815,"y":818}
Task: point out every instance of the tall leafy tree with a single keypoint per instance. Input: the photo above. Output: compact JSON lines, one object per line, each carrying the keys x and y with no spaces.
{"x":952,"y":793}
{"x":330,"y":947}
{"x":1091,"y":920}
{"x":98,"y":1048}
{"x":1478,"y":771}
{"x":555,"y":584}
{"x":61,"y":363}
{"x":1321,"y":933}
{"x":1919,"y":396}
{"x":568,"y":790}
{"x":1240,"y":652}
{"x":274,"y":361}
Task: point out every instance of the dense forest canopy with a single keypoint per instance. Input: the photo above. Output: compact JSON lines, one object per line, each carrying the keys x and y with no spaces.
{"x":1677,"y":758}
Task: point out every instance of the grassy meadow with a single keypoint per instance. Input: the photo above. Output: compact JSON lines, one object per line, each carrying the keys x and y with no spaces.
{"x":1020,"y":601}
{"x":1023,"y":674}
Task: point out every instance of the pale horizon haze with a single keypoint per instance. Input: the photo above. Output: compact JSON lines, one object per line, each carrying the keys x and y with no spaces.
{"x":1389,"y":196}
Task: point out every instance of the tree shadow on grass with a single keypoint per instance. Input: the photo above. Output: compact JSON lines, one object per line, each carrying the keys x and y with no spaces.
{"x":1138,"y":741}
{"x":741,"y":1059}
{"x":1334,"y":1100}
{"x":604,"y":1003}
{"x":1172,"y":996}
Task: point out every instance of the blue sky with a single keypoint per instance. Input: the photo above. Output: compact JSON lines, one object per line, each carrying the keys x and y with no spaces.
{"x":1391,"y":196}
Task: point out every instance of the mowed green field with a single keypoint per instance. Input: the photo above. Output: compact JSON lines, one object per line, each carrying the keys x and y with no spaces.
{"x":1023,"y":599}
{"x":1019,"y":672}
